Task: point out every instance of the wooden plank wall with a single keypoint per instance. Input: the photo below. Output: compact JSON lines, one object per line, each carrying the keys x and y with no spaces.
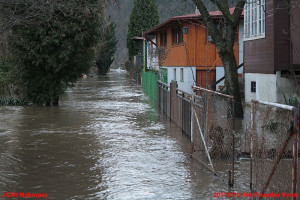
{"x":195,"y":51}
{"x":201,"y":78}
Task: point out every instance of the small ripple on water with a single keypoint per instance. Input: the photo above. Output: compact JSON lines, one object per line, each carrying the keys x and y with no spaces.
{"x":104,"y":142}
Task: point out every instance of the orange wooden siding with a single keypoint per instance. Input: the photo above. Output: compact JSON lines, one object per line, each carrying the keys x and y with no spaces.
{"x":201,"y":78}
{"x":195,"y":51}
{"x":176,"y":55}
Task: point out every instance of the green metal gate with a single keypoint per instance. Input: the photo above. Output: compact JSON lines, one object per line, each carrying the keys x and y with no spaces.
{"x":149,"y":84}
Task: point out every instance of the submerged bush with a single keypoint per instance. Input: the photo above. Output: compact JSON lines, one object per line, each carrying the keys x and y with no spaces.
{"x":11,"y":87}
{"x":14,"y":102}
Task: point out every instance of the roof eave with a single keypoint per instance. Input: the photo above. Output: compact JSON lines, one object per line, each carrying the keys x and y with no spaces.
{"x":160,"y":26}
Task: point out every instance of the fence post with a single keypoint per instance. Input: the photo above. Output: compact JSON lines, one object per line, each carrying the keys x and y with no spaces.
{"x":231,"y":182}
{"x":251,"y":143}
{"x":192,"y":124}
{"x":207,"y":114}
{"x":295,"y":150}
{"x":158,"y":94}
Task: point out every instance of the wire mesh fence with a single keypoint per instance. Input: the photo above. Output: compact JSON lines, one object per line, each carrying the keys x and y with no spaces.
{"x":266,"y":137}
{"x":213,"y":134}
{"x":271,"y":147}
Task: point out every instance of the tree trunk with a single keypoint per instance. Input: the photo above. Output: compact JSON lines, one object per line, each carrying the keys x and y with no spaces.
{"x":55,"y":101}
{"x":224,"y":41}
{"x":232,"y":82}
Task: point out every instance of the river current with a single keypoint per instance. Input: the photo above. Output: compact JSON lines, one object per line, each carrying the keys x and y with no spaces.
{"x":106,"y":140}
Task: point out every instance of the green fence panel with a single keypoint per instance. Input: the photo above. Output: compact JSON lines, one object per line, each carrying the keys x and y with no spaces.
{"x":149,"y":84}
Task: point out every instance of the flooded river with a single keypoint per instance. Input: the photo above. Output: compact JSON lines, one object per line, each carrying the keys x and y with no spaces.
{"x":106,"y":140}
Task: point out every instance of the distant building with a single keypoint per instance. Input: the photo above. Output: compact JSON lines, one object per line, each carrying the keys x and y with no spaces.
{"x":152,"y":58}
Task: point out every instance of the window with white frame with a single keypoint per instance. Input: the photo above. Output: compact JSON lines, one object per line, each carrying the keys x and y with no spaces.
{"x":181,"y":75}
{"x":254,"y":19}
{"x":174,"y":74}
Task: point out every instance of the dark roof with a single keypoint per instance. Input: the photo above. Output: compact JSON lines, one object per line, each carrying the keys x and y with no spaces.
{"x":170,"y":21}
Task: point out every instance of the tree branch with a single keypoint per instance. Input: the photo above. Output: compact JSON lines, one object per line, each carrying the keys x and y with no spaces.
{"x":223,"y":7}
{"x":238,"y":11}
{"x":213,"y":31}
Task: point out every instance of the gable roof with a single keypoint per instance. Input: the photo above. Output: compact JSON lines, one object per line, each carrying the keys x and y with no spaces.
{"x":214,"y":14}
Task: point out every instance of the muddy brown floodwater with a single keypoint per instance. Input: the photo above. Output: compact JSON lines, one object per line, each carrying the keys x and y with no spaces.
{"x":106,"y":140}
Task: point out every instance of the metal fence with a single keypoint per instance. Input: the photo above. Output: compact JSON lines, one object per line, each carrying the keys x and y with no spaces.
{"x":212,"y":131}
{"x":186,"y":114}
{"x":273,"y":147}
{"x":164,"y":98}
{"x":266,"y":136}
{"x":176,"y":105}
{"x":207,"y":120}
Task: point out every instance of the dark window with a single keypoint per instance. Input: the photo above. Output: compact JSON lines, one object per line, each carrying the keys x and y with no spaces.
{"x":253,"y":86}
{"x":174,"y":36}
{"x":177,"y":36}
{"x":163,"y":39}
{"x":180,"y":35}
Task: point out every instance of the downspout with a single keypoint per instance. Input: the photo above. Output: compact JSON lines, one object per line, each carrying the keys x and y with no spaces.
{"x":206,"y":74}
{"x":144,"y":55}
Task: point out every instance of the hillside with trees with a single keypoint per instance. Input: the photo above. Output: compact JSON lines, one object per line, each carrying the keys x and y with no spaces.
{"x":121,"y":13}
{"x":144,"y":16}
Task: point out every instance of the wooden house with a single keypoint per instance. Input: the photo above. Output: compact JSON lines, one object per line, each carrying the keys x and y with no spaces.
{"x":187,"y":53}
{"x":271,"y":49}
